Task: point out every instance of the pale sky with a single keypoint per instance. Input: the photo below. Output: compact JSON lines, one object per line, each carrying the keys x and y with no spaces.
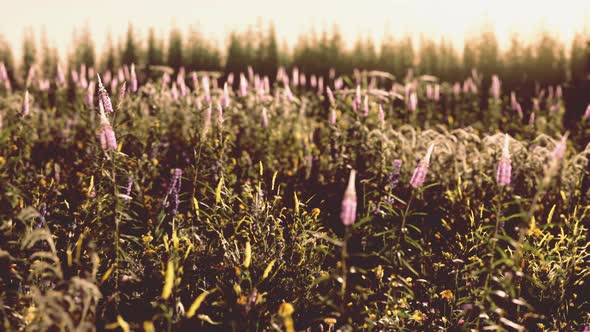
{"x":454,"y":19}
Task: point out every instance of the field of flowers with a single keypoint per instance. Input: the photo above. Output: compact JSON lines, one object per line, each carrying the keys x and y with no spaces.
{"x":197,"y":201}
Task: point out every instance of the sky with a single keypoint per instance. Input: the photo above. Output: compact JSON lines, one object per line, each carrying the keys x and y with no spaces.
{"x":453,"y":19}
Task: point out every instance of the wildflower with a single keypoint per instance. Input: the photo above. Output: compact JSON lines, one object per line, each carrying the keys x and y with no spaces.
{"x":456,"y":89}
{"x":206,"y":88}
{"x":3,"y":73}
{"x":413,"y":102}
{"x":207,"y":120}
{"x":107,"y":137}
{"x":436,"y":92}
{"x":394,"y":175}
{"x":496,"y":85}
{"x":559,"y":150}
{"x":286,"y":310}
{"x":357,"y":99}
{"x":288,"y":94}
{"x":587,"y":113}
{"x":366,"y":106}
{"x":169,"y":281}
{"x":503,"y":173}
{"x":420,"y":172}
{"x":26,"y":106}
{"x":447,"y":294}
{"x":333,"y":116}
{"x":243,"y":85}
{"x":225,"y":99}
{"x":133,"y":79}
{"x":174,"y":190}
{"x":181,"y":84}
{"x":219,"y":114}
{"x":418,"y":316}
{"x":331,"y":97}
{"x":103,"y":97}
{"x":123,"y":90}
{"x":429,"y":92}
{"x":90,"y":94}
{"x":532,"y":119}
{"x":348,"y":214}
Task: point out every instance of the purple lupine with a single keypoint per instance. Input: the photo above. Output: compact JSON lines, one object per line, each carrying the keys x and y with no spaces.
{"x":457,"y":89}
{"x":3,"y":73}
{"x":264,"y":117}
{"x":206,"y":88}
{"x":381,"y":116}
{"x":496,"y":86}
{"x":127,"y":192}
{"x":504,"y":170}
{"x":103,"y":97}
{"x":536,"y":106}
{"x":395,"y":172}
{"x":558,"y":92}
{"x":338,"y":83}
{"x":532,"y":119}
{"x":165,"y":80}
{"x":366,"y":106}
{"x":90,"y":94}
{"x":174,"y":91}
{"x":313,"y":81}
{"x":587,"y":113}
{"x":230,"y":79}
{"x":219,"y":114}
{"x":114,"y":84}
{"x":108,"y":141}
{"x":75,"y":76}
{"x":429,"y":92}
{"x":195,"y":80}
{"x":420,"y":172}
{"x":436,"y":92}
{"x":302,"y":80}
{"x":181,"y":84}
{"x":356,"y":103}
{"x":559,"y":150}
{"x":295,"y":76}
{"x":243,"y":85}
{"x":413,"y":101}
{"x":333,"y":116}
{"x":133,"y":79}
{"x":174,"y":190}
{"x":59,"y":76}
{"x":207,"y":120}
{"x":288,"y":94}
{"x":26,"y":108}
{"x":349,"y":202}
{"x":331,"y":96}
{"x":121,"y":75}
{"x":225,"y":99}
{"x":44,"y":85}
{"x":123,"y":90}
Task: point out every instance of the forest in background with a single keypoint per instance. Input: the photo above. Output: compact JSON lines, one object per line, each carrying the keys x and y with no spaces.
{"x":544,"y":61}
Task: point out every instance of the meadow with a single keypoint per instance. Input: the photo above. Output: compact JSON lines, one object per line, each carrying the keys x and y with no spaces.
{"x":290,"y":202}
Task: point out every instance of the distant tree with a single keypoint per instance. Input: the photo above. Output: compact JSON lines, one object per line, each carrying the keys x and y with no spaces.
{"x":428,"y":58}
{"x":271,"y":53}
{"x":83,"y":48}
{"x":49,"y":58}
{"x":155,"y":50}
{"x":175,"y":49}
{"x":29,"y":52}
{"x":406,"y":57}
{"x":469,"y":56}
{"x":488,"y":62}
{"x":6,"y":57}
{"x":109,"y":56}
{"x":131,"y":51}
{"x":577,"y":63}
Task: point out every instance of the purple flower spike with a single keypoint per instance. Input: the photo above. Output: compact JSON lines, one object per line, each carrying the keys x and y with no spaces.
{"x":366,"y":106}
{"x":348,"y":213}
{"x":381,"y":116}
{"x":103,"y":97}
{"x":587,"y":113}
{"x":357,"y":99}
{"x":26,"y":107}
{"x":133,"y":79}
{"x":420,"y":172}
{"x":504,"y":171}
{"x":108,"y":141}
{"x":264,"y":118}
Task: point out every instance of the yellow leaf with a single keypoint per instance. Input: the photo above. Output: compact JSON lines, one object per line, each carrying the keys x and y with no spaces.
{"x":148,"y":326}
{"x":296,"y":203}
{"x":207,"y":319}
{"x":195,"y":306}
{"x":247,"y":255}
{"x":90,"y":186}
{"x":268,"y":269}
{"x":261,"y":168}
{"x":218,"y":191}
{"x":169,"y":281}
{"x":108,"y":273}
{"x":274,"y":178}
{"x":550,"y":215}
{"x":123,"y":324}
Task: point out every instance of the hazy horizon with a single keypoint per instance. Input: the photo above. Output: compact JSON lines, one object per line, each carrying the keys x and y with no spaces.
{"x":454,"y":20}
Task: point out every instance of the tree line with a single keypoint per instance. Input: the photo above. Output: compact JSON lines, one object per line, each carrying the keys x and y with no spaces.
{"x":546,"y":60}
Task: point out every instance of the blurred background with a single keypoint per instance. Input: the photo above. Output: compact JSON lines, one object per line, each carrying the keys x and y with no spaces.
{"x":527,"y":43}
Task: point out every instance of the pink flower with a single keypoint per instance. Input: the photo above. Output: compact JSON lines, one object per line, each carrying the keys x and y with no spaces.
{"x":26,"y":107}
{"x":219,"y":114}
{"x":321,"y":85}
{"x":559,"y":150}
{"x":331,"y":97}
{"x":206,"y":88}
{"x":133,"y":79}
{"x":357,"y":99}
{"x":103,"y":97}
{"x":532,"y":119}
{"x":420,"y":172}
{"x":332,"y":116}
{"x":413,"y":102}
{"x":496,"y":85}
{"x":243,"y":85}
{"x":225,"y":99}
{"x":108,"y":141}
{"x":503,"y":173}
{"x":348,"y":213}
{"x":587,"y":113}
{"x":366,"y":106}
